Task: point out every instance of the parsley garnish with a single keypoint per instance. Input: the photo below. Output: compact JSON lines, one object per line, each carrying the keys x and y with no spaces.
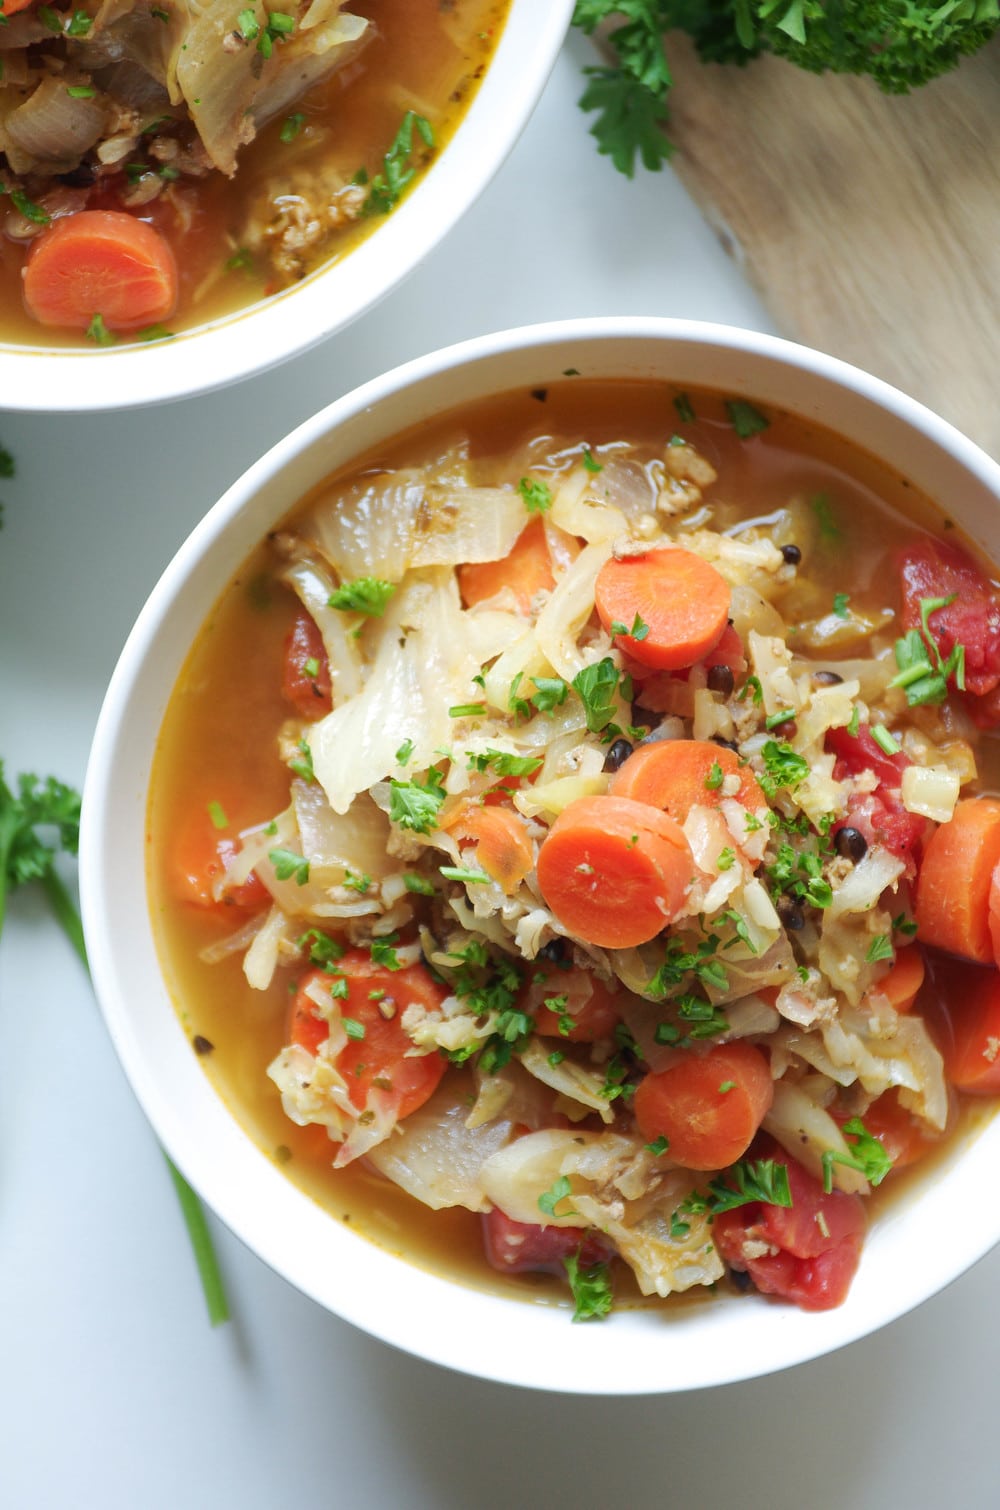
{"x":880,"y":949}
{"x":548,"y":1202}
{"x":291,"y":127}
{"x":537,"y":495}
{"x":590,"y":1287}
{"x":829,"y":529}
{"x":404,"y":752}
{"x":922,"y":672}
{"x":597,"y":686}
{"x":867,"y":1155}
{"x":659,"y":1145}
{"x":750,"y":1180}
{"x":590,"y":462}
{"x":302,"y":765}
{"x":353,"y":1028}
{"x":753,"y":689}
{"x":415,"y":804}
{"x":840,"y":602}
{"x":368,"y":595}
{"x":383,"y":952}
{"x":745,"y":419}
{"x":639,"y":630}
{"x":685,"y":410}
{"x":783,"y":767}
{"x":505,"y":764}
{"x":322,"y":949}
{"x":287,"y":864}
{"x":714,"y":779}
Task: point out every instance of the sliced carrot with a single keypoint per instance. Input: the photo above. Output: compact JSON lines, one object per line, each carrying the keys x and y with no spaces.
{"x":708,"y":1107}
{"x":380,"y":1054}
{"x":100,"y":262}
{"x":578,"y":1017}
{"x":995,"y":912}
{"x":527,"y":570}
{"x":202,"y":848}
{"x":305,"y":680}
{"x":11,"y":7}
{"x":679,"y":774}
{"x":682,"y":601}
{"x":972,"y":1050}
{"x":952,"y":901}
{"x":614,"y":871}
{"x":504,"y":849}
{"x":902,"y":983}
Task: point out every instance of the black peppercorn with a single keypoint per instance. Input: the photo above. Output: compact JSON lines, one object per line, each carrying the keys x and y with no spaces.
{"x":827,"y":678}
{"x":554,"y":952}
{"x":792,"y":554}
{"x":791,"y":914}
{"x":617,"y":755}
{"x":850,"y":844}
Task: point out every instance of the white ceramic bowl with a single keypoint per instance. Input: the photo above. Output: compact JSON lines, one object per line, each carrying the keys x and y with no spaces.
{"x":223,"y":351}
{"x":926,"y":1239}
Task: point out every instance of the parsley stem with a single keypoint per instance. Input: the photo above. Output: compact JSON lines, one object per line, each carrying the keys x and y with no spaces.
{"x":194,"y":1216}
{"x":201,"y":1242}
{"x":65,"y":913}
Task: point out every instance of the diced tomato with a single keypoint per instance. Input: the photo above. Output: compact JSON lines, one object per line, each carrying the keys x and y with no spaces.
{"x":932,"y":569}
{"x":879,"y":815}
{"x":522,"y":1248}
{"x":728,"y":652}
{"x":305,"y":681}
{"x":817,"y":1242}
{"x":380,"y":1054}
{"x":900,"y":1134}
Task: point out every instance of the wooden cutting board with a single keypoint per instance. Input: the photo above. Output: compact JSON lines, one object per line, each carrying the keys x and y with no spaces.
{"x":870,"y":224}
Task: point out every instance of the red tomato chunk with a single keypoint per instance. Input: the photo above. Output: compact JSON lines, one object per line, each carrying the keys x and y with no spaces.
{"x":522,"y":1248}
{"x":807,"y":1253}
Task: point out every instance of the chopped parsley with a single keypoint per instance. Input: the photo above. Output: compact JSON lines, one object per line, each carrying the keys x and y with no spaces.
{"x":291,"y":127}
{"x":404,"y":752}
{"x":383,"y":952}
{"x":884,"y":740}
{"x":217,"y":813}
{"x":98,"y":332}
{"x":537,"y":495}
{"x":551,"y":1198}
{"x":745,"y":419}
{"x":751,"y":688}
{"x":685,"y":409}
{"x":302,"y":765}
{"x":714,"y":779}
{"x":590,"y":1288}
{"x":763,"y":1180}
{"x":368,"y":595}
{"x":590,"y":462}
{"x":467,"y":710}
{"x":923,"y":673}
{"x":505,"y":764}
{"x":867,"y":1155}
{"x":639,"y":630}
{"x":470,"y":877}
{"x":353,"y":1028}
{"x":417,"y":884}
{"x":659,"y":1145}
{"x":415,"y":804}
{"x":880,"y":949}
{"x":321,"y":948}
{"x":840,"y":602}
{"x":783,"y":767}
{"x":829,"y":529}
{"x":597,"y":686}
{"x":726,"y":860}
{"x":288,"y":865}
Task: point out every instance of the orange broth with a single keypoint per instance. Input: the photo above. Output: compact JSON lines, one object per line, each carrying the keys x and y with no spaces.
{"x":219,"y":738}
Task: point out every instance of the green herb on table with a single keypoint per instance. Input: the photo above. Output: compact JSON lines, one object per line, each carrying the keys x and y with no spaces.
{"x":39,"y":822}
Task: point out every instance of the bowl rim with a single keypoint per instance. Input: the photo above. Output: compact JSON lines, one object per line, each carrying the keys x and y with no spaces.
{"x":723,"y":1342}
{"x":50,"y":379}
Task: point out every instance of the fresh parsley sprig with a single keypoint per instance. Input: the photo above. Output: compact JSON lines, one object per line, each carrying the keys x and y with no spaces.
{"x":39,"y":820}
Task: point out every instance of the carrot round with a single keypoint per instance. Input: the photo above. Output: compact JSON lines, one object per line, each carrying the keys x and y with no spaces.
{"x":681,"y":600}
{"x":379,"y":1050}
{"x":972,"y":1056}
{"x":200,"y":851}
{"x":526,"y":569}
{"x":952,"y":902}
{"x":707,"y":1107}
{"x":903,"y":981}
{"x":679,"y":774}
{"x":100,"y":262}
{"x":504,"y":849}
{"x":614,"y":871}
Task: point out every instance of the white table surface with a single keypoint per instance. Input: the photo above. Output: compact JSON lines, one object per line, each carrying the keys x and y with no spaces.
{"x":114,"y":1391}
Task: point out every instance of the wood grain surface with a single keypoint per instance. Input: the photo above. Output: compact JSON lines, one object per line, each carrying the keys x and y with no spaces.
{"x":869,"y":224}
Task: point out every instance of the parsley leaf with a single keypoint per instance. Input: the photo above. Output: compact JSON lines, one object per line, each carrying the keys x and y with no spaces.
{"x":548,"y":1201}
{"x":745,"y":419}
{"x":288,"y":865}
{"x":590,"y":1287}
{"x":369,"y":595}
{"x":751,"y":1180}
{"x":630,"y":99}
{"x":597,"y":686}
{"x":415,"y":804}
{"x":505,"y":764}
{"x":537,"y":495}
{"x":783,"y":767}
{"x":867,"y":1155}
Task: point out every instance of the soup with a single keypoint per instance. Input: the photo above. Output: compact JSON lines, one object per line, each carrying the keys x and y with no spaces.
{"x":214,"y":161}
{"x":568,"y":836}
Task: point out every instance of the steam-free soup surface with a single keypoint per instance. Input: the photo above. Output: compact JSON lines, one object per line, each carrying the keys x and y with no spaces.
{"x":842,"y":524}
